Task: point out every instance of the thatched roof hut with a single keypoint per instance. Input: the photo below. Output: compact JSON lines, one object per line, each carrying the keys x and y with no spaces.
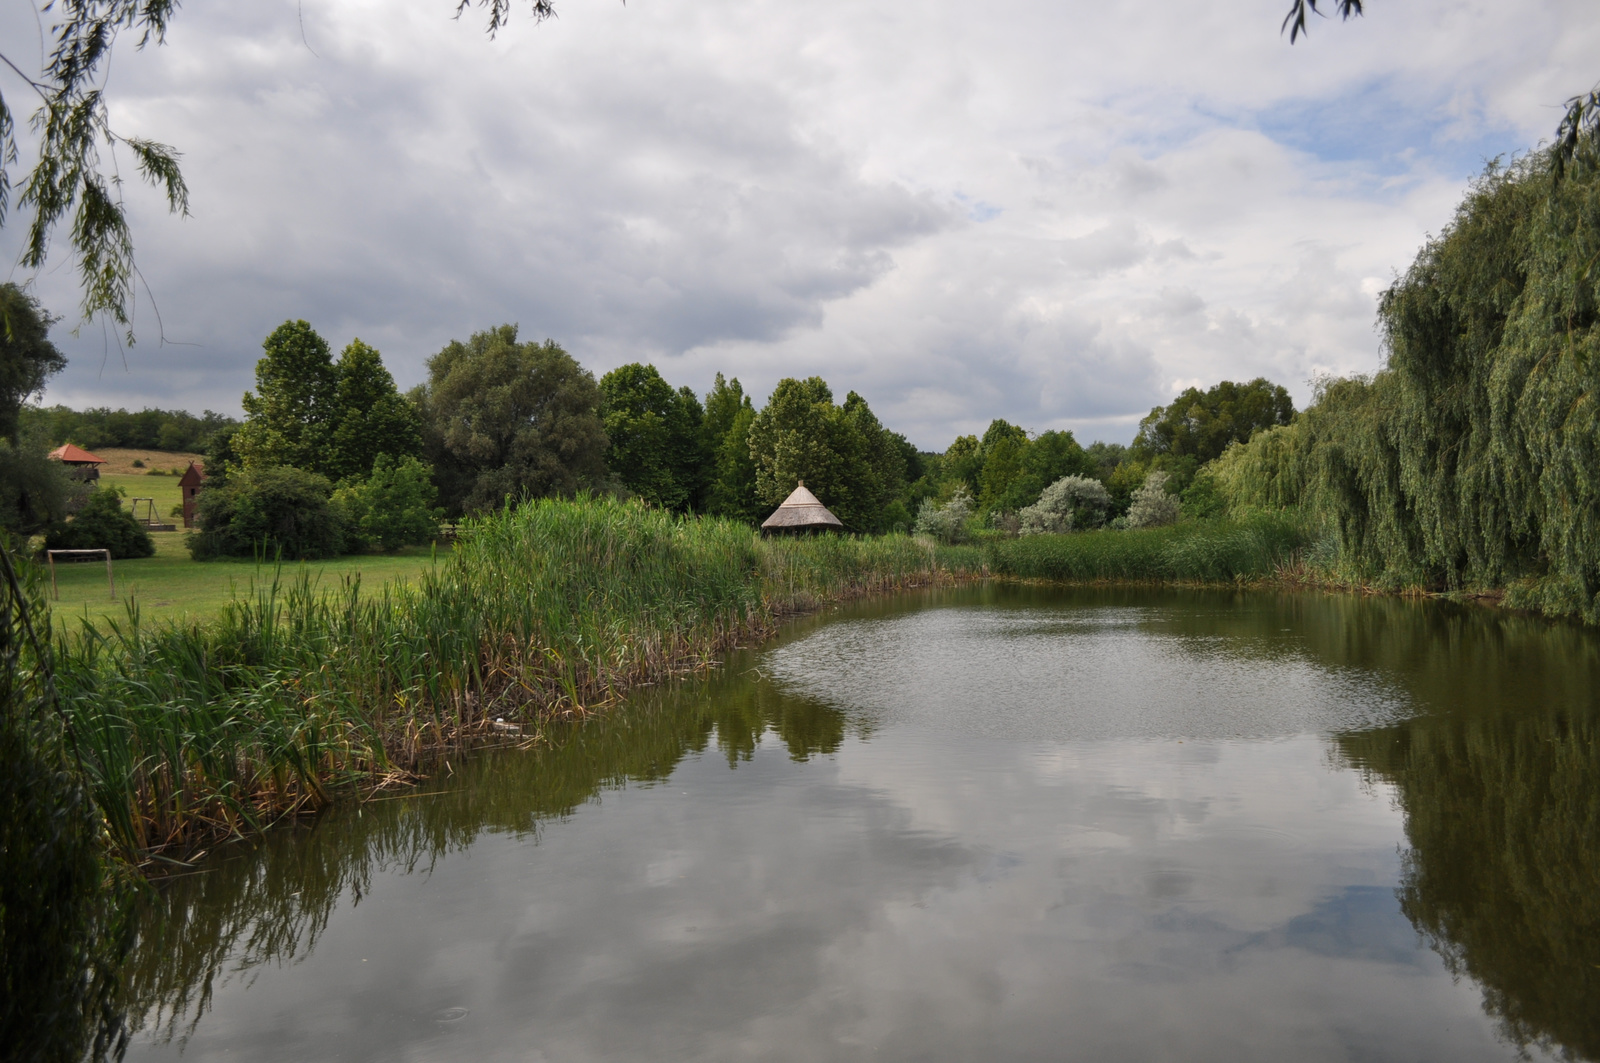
{"x":801,"y":512}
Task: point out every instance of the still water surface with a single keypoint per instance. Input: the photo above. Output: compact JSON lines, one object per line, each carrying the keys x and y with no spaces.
{"x":994,"y":823}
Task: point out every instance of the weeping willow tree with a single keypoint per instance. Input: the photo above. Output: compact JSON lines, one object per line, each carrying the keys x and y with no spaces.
{"x":1472,"y":460}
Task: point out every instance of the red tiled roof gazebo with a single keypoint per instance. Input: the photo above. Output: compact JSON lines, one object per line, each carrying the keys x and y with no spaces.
{"x":85,"y":466}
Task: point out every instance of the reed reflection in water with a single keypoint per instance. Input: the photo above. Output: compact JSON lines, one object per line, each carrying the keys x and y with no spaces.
{"x":924,"y":853}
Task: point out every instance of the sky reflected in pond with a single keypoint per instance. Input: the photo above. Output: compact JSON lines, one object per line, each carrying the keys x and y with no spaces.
{"x":1008,"y":824}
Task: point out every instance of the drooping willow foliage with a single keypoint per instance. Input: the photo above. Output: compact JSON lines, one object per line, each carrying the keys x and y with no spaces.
{"x":1472,"y":460}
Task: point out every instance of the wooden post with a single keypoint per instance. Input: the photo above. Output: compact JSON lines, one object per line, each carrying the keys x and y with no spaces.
{"x":55,"y":592}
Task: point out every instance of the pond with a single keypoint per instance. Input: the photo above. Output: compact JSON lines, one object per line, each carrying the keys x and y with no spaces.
{"x":987,"y":823}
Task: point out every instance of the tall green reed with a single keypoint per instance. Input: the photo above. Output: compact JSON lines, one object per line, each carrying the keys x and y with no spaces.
{"x":193,"y":731}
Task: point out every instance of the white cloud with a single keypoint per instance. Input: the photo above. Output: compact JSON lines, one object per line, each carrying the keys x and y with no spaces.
{"x":1049,"y":213}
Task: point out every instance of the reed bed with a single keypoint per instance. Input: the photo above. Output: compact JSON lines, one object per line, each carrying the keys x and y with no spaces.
{"x":192,"y":732}
{"x":1255,"y":549}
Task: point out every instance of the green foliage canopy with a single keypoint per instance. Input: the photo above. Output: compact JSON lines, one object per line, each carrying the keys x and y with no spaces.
{"x":1201,"y":424}
{"x":102,"y":524}
{"x":391,"y":508}
{"x":370,"y":417}
{"x":1470,"y":460}
{"x":291,"y":415}
{"x":271,"y":510}
{"x":507,"y":419}
{"x":844,"y":455}
{"x":27,"y":357}
{"x":729,"y":415}
{"x":147,"y":429}
{"x":657,"y":443}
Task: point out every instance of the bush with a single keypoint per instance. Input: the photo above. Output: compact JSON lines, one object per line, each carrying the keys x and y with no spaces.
{"x":1072,"y":501}
{"x":275,"y":510}
{"x":1152,"y":506}
{"x":391,"y":508}
{"x":946,"y":523}
{"x":102,"y":524}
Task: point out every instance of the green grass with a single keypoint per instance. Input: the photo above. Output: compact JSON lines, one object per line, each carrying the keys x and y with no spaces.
{"x":164,"y":489}
{"x":172,"y":586}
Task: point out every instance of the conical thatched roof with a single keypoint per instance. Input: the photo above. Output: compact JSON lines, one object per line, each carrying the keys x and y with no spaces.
{"x":799,"y":512}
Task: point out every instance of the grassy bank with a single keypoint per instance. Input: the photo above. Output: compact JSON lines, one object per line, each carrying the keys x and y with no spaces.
{"x":192,"y":731}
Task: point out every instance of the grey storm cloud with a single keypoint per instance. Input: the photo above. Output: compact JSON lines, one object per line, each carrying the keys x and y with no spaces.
{"x":1056,"y":217}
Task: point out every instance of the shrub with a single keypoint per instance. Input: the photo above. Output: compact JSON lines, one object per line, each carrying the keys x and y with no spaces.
{"x":393,"y":507}
{"x":275,"y":510}
{"x":1072,"y":501}
{"x":1152,"y":506}
{"x":946,"y":523}
{"x":102,"y":524}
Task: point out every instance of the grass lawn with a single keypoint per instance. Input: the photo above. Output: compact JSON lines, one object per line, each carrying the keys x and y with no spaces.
{"x":164,"y":489}
{"x":172,"y":584}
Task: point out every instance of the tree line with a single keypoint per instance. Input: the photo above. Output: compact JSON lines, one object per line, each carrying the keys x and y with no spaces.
{"x":331,"y":456}
{"x":177,"y":431}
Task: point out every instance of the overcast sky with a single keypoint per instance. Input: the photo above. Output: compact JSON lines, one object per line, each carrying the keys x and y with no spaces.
{"x":1057,"y":213}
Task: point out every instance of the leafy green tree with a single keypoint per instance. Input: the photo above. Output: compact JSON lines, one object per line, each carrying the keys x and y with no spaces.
{"x":657,"y":443}
{"x":880,"y":461}
{"x":291,"y":416}
{"x":221,"y":459}
{"x":272,"y":510}
{"x":102,"y":524}
{"x":1201,"y":424}
{"x":1469,"y":460}
{"x":370,"y":417}
{"x":1001,"y":451}
{"x":729,"y":415}
{"x":842,"y":453}
{"x":27,"y":357}
{"x":796,"y":437}
{"x":503,"y":419}
{"x":33,"y":489}
{"x":392,"y":507}
{"x":963,"y":463}
{"x":1046,"y":459}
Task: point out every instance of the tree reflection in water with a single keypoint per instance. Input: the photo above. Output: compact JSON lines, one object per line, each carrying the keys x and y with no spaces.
{"x":1499,"y":780}
{"x":269,"y":904}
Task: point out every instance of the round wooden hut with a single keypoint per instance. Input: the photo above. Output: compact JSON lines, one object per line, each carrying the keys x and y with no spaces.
{"x":799,"y":514}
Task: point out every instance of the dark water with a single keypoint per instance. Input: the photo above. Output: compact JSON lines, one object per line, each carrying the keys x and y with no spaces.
{"x":986,"y":824}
